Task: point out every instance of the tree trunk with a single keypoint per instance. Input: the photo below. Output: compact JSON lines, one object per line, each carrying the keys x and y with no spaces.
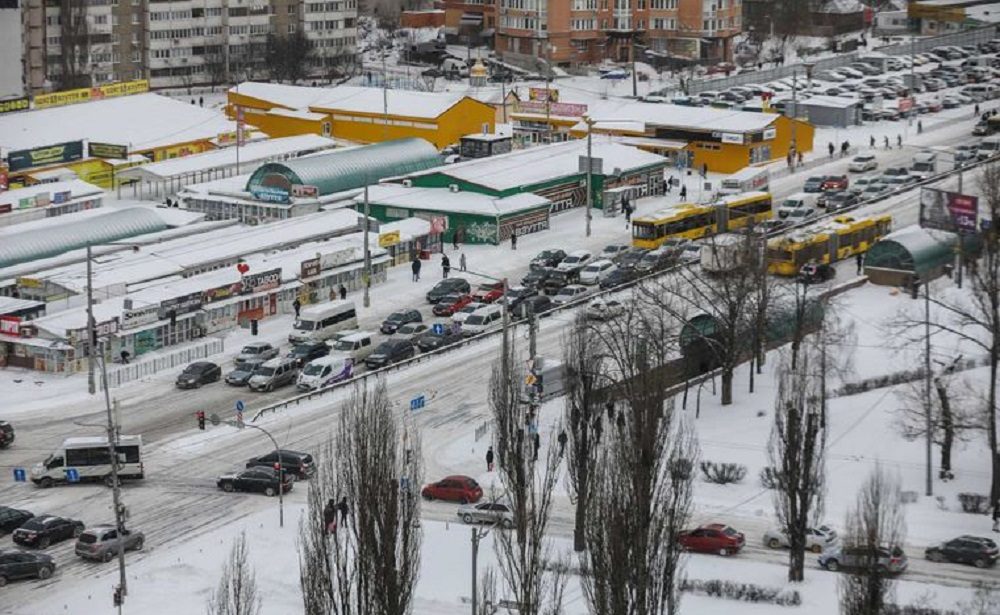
{"x":947,"y":429}
{"x":727,"y":386}
{"x":583,"y":493}
{"x":753,"y":360}
{"x":991,"y":416}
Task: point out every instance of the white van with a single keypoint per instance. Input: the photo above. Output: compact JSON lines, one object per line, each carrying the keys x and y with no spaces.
{"x":750,"y":179}
{"x":319,"y":322}
{"x":454,"y":66}
{"x":981,"y":91}
{"x":482,"y":319}
{"x":797,"y":202}
{"x":325,"y":371}
{"x":357,"y":345}
{"x":988,"y":148}
{"x":924,"y":164}
{"x":87,"y":460}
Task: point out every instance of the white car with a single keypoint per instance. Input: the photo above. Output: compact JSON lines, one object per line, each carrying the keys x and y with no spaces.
{"x":463,"y":313}
{"x":411,"y":330}
{"x":575,"y":261}
{"x":818,"y":539}
{"x":570,"y":293}
{"x":612,"y":250}
{"x":596,"y":271}
{"x":862,"y":163}
{"x":487,"y":512}
{"x":691,"y":253}
{"x":604,"y":309}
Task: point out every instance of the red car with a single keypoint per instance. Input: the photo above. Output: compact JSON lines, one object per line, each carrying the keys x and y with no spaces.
{"x":835,"y":183}
{"x":451,"y":304}
{"x":712,"y":538}
{"x":488,"y":293}
{"x":456,"y":488}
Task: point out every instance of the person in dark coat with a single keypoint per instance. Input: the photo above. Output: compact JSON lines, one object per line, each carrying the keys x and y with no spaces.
{"x":454,"y":239}
{"x":124,"y":355}
{"x":871,"y":141}
{"x":415,"y":268}
{"x":297,"y":306}
{"x":342,"y":508}
{"x":461,"y":261}
{"x":330,"y":517}
{"x":343,"y":292}
{"x":562,"y":442}
{"x":830,"y":149}
{"x":860,"y":259}
{"x":513,"y":241}
{"x":537,"y":444}
{"x":489,"y":459}
{"x":684,"y":192}
{"x":445,"y":265}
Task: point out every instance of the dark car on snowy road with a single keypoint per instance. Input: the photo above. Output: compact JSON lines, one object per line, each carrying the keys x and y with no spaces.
{"x":15,"y":565}
{"x":389,"y":352}
{"x":447,"y":287}
{"x":43,"y":530}
{"x":974,"y":550}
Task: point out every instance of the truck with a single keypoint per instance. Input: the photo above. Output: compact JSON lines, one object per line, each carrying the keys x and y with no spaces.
{"x":545,"y":380}
{"x":88,"y":459}
{"x":924,"y":165}
{"x":750,"y":179}
{"x":723,"y":253}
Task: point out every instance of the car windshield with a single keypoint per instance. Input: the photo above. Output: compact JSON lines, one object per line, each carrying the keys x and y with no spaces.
{"x":264,"y":371}
{"x":798,"y":213}
{"x":192,"y":369}
{"x":408,"y":328}
{"x":396,"y":317}
{"x":469,"y":309}
{"x":475,"y":319}
{"x":592,"y":268}
{"x":313,"y":370}
{"x":343,"y":345}
{"x":815,"y":180}
{"x":571,"y":259}
{"x":863,"y":158}
{"x":729,"y":531}
{"x":304,"y":325}
{"x":250,"y":350}
{"x":87,"y":538}
{"x":383,"y":349}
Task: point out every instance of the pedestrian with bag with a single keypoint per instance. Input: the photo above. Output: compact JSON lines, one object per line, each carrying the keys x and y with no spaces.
{"x":445,"y":265}
{"x":415,"y":268}
{"x":684,"y":192}
{"x":489,"y":459}
{"x":513,"y":240}
{"x":297,"y":306}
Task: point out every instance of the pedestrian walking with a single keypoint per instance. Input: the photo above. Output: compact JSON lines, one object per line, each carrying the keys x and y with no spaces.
{"x":562,"y":442}
{"x":899,"y":141}
{"x":670,"y":184}
{"x":830,"y":149}
{"x":330,"y":517}
{"x":860,"y":259}
{"x":333,"y":294}
{"x":461,"y":261}
{"x":684,"y":192}
{"x":704,"y":169}
{"x":871,"y":141}
{"x":342,"y":508}
{"x":445,"y":265}
{"x":415,"y":268}
{"x":976,"y":109}
{"x":789,"y":159}
{"x":343,"y":292}
{"x":513,"y":240}
{"x":124,"y":355}
{"x":454,"y":239}
{"x":628,"y":214}
{"x":886,"y":140}
{"x":800,"y":158}
{"x":297,"y":306}
{"x":201,"y":101}
{"x":843,"y":148}
{"x":920,"y":127}
{"x":489,"y":459}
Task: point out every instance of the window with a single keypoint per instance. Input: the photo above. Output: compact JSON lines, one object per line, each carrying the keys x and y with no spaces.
{"x":100,"y":20}
{"x":291,"y":28}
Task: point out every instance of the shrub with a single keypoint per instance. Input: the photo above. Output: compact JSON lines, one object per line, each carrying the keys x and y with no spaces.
{"x":745,"y":592}
{"x":769,"y":477}
{"x":895,"y":609}
{"x":723,"y":473}
{"x":680,"y":469}
{"x":975,"y":503}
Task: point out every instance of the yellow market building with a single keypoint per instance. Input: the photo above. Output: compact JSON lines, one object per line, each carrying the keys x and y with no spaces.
{"x":358,"y":114}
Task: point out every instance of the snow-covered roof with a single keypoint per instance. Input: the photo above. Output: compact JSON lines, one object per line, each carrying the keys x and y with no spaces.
{"x":77,"y":188}
{"x":354,"y":99}
{"x":832,"y":102}
{"x":142,"y":121}
{"x":408,"y":228}
{"x":444,"y":200}
{"x":300,"y":115}
{"x":535,"y":165}
{"x":9,"y":305}
{"x":250,"y":155}
{"x":841,"y":7}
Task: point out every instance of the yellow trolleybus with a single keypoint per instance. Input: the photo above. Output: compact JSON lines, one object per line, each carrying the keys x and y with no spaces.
{"x":843,"y":237}
{"x":693,"y":221}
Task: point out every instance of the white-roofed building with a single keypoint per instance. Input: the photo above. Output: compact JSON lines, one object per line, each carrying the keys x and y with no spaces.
{"x":48,"y":200}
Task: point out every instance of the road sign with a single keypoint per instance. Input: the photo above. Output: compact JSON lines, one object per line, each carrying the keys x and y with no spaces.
{"x":417,"y":403}
{"x":240,"y":406}
{"x":239,"y":417}
{"x":20,"y":475}
{"x":72,"y":475}
{"x":438,"y":328}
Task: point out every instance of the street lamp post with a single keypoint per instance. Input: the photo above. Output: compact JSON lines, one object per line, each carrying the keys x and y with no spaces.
{"x":115,"y":485}
{"x":590,"y":168}
{"x":367,"y":277}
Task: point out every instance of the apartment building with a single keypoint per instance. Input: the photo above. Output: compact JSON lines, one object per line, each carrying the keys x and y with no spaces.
{"x":586,"y":31}
{"x":174,"y":43}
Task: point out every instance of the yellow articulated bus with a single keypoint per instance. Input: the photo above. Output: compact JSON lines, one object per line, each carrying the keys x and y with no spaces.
{"x":841,"y":238}
{"x":693,"y":221}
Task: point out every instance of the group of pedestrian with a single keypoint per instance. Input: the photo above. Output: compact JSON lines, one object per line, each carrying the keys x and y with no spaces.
{"x":330,"y":512}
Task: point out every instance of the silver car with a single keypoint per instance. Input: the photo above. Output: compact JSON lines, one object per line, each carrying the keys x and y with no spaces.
{"x":818,"y":539}
{"x":255,"y":353}
{"x":101,"y":542}
{"x":487,"y":512}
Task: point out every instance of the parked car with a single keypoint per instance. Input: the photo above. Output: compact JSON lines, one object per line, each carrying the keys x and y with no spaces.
{"x":537,"y":304}
{"x":575,"y":261}
{"x":482,"y":319}
{"x":597,"y":270}
{"x":558,"y":280}
{"x":604,"y":309}
{"x":399,"y":318}
{"x":690,"y":253}
{"x":256,"y":353}
{"x":611,"y":251}
{"x":100,"y":542}
{"x":839,"y":200}
{"x":16,"y":565}
{"x":411,"y":330}
{"x":43,"y":530}
{"x":389,"y":352}
{"x":569,"y":293}
{"x":712,"y":538}
{"x":889,"y":560}
{"x":429,"y":340}
{"x":835,"y":183}
{"x":980,"y":552}
{"x":6,"y":434}
{"x":304,"y":353}
{"x":655,"y":260}
{"x":455,"y":488}
{"x":197,"y":374}
{"x":875,"y":191}
{"x":256,"y":480}
{"x":467,"y":309}
{"x":818,"y":539}
{"x":814,"y":184}
{"x":860,"y":184}
{"x":812,"y":273}
{"x":240,"y":376}
{"x":293,"y":463}
{"x":617,"y":278}
{"x":274,"y":374}
{"x":630,"y":258}
{"x":494,"y":513}
{"x":448,"y":286}
{"x":547,"y":259}
{"x":488,"y":293}
{"x":449,"y":304}
{"x":12,"y":518}
{"x":535,"y":278}
{"x":862,"y":163}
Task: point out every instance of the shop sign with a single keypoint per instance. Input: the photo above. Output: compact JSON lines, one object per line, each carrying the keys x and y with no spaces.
{"x":223,"y":292}
{"x":180,"y":305}
{"x":42,"y":199}
{"x":140,"y":316}
{"x":11,"y":105}
{"x":30,"y":283}
{"x":51,"y":154}
{"x":271,"y":194}
{"x":6,"y":208}
{"x":523,"y":224}
{"x":61,"y":197}
{"x":4,"y":177}
{"x":111,"y":90}
{"x":10,"y":325}
{"x":543,"y":94}
{"x":107,"y":150}
{"x":730,"y":137}
{"x":556,"y":108}
{"x":770,"y":134}
{"x":388,"y":239}
{"x":336,"y":259}
{"x":259,"y":282}
{"x":26,"y":203}
{"x":309,"y":268}
{"x":256,"y":313}
{"x":101,"y":329}
{"x":304,"y":191}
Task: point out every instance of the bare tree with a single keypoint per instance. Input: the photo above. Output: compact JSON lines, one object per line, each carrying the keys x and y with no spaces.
{"x":796,"y":452}
{"x":74,"y":45}
{"x":875,"y":530}
{"x":370,"y":563}
{"x":237,"y":590}
{"x":288,"y":57}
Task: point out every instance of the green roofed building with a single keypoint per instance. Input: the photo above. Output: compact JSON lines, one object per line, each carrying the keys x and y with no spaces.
{"x":899,"y":257}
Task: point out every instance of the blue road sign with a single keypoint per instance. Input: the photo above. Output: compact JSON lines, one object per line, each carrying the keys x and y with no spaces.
{"x":240,"y":406}
{"x":20,"y":475}
{"x":438,"y":329}
{"x":417,"y":403}
{"x":72,"y":475}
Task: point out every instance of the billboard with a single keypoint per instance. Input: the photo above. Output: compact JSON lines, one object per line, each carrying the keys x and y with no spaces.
{"x":111,"y":90}
{"x":50,"y":154}
{"x":948,"y":211}
{"x":107,"y":150}
{"x":10,"y":105}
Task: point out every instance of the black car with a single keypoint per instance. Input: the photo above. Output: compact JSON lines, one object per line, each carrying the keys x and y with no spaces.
{"x":517,"y":295}
{"x":840,"y":200}
{"x":813,"y":274}
{"x":980,"y":552}
{"x":399,"y":318}
{"x":303,"y":353}
{"x":448,"y":286}
{"x":257,"y":480}
{"x":299,"y":465}
{"x":547,"y":259}
{"x":814,"y":184}
{"x":6,"y":434}
{"x":429,"y":340}
{"x":389,"y":352}
{"x":43,"y":530}
{"x":536,"y":305}
{"x":618,"y":277}
{"x":12,"y":518}
{"x":197,"y":374}
{"x":629,"y":258}
{"x":240,"y":376}
{"x":16,"y":565}
{"x":535,"y":279}
{"x":558,"y":279}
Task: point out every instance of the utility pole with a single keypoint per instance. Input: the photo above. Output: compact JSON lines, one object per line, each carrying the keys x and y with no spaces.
{"x":532,"y":332}
{"x":795,"y":105}
{"x":115,"y":483}
{"x":548,"y":92}
{"x":927,"y":381}
{"x":91,"y":333}
{"x":367,"y":279}
{"x":385,"y":100}
{"x":590,"y":168}
{"x":475,"y":566}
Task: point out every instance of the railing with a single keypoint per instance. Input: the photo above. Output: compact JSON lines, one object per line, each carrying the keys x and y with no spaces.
{"x":141,"y":368}
{"x":590,"y":297}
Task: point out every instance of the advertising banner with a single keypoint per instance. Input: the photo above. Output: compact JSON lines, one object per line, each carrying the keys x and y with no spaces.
{"x":222,"y":292}
{"x":330,"y":260}
{"x":948,"y":211}
{"x":730,"y":137}
{"x":107,"y":150}
{"x":388,"y":239}
{"x":543,"y":94}
{"x":50,"y":154}
{"x":10,"y":325}
{"x":259,"y":282}
{"x":180,"y":305}
{"x":11,"y":105}
{"x":560,"y":109}
{"x":111,"y":90}
{"x":61,"y":197}
{"x":140,"y":316}
{"x":302,"y":190}
{"x":309,"y":268}
{"x":4,"y":178}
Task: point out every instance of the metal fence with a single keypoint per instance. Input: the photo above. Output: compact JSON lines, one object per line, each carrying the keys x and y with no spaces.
{"x":141,"y":368}
{"x":972,"y":36}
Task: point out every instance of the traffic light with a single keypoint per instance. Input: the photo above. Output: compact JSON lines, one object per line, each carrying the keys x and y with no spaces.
{"x":201,"y":419}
